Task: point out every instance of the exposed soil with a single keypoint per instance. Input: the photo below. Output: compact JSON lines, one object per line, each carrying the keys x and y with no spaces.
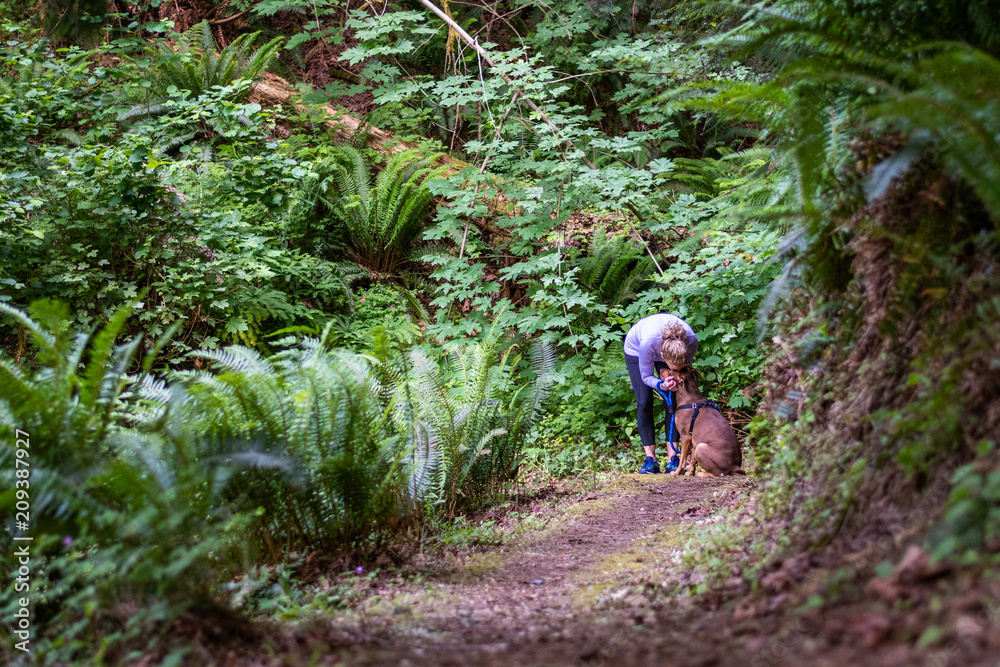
{"x":528,"y":605}
{"x":581,"y":590}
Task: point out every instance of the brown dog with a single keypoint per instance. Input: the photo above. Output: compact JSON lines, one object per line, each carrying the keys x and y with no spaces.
{"x":717,"y":451}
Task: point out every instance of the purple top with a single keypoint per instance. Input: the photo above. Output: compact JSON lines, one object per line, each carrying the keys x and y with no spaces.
{"x":643,"y":341}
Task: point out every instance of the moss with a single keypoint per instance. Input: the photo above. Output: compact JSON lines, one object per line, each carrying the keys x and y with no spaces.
{"x":642,"y":556}
{"x":481,"y":564}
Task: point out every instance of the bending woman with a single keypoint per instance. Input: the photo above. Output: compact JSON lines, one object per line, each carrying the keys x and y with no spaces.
{"x":645,"y":344}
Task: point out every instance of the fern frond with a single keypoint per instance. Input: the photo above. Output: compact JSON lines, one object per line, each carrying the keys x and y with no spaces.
{"x":237,"y":359}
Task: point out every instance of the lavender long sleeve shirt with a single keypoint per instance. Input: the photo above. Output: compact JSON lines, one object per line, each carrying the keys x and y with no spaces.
{"x":643,"y":341}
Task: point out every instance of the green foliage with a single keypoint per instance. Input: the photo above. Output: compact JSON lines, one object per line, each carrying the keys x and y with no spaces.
{"x":373,"y":442}
{"x":581,"y":302}
{"x":192,"y":63}
{"x":159,"y":175}
{"x":115,"y":511}
{"x":67,"y":406}
{"x":953,"y":103}
{"x":571,"y":162}
{"x":196,"y":93}
{"x":15,"y":11}
{"x":474,"y":421}
{"x":73,"y":20}
{"x":323,"y":409}
{"x":381,"y":307}
{"x":614,"y":268}
{"x":95,"y":220}
{"x":592,"y":400}
{"x":971,"y":516}
{"x":205,"y":127}
{"x":873,"y":107}
{"x":382,"y":219}
{"x":113,"y":226}
{"x":148,"y":489}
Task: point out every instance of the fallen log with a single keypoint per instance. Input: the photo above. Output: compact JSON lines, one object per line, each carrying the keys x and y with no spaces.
{"x":273,"y":90}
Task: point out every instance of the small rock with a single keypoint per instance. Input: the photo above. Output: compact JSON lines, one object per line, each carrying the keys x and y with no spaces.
{"x":776,"y":581}
{"x":871,"y":629}
{"x":967,"y":627}
{"x":744,"y":610}
{"x":887,"y":589}
{"x":538,"y":582}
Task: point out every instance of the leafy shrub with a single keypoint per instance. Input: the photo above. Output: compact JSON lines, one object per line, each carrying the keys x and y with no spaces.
{"x":78,"y":21}
{"x":325,"y":410}
{"x":146,"y":490}
{"x":718,"y":290}
{"x":592,"y":399}
{"x":614,"y":268}
{"x":113,"y":225}
{"x":116,"y":513}
{"x":880,"y":338}
{"x":192,"y":63}
{"x":971,"y":518}
{"x":374,"y":442}
{"x":380,"y":305}
{"x":91,"y":218}
{"x":381,"y":219}
{"x":474,"y":421}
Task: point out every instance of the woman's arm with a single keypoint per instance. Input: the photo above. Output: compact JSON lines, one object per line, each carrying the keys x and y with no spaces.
{"x":648,"y":356}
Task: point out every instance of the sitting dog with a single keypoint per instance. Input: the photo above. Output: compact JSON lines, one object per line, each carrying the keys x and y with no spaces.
{"x":699,"y":421}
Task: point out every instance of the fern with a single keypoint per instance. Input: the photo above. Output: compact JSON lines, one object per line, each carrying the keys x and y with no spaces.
{"x":614,"y":268}
{"x":471,"y":431}
{"x":196,"y":70}
{"x":957,"y":103}
{"x":323,"y":409}
{"x":196,"y":66}
{"x":117,"y":467}
{"x":382,"y":220}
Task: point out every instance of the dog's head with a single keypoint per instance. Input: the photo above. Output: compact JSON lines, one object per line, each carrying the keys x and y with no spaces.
{"x":680,"y":374}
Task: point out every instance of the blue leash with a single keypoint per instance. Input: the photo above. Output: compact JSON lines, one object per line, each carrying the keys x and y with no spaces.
{"x":668,"y":399}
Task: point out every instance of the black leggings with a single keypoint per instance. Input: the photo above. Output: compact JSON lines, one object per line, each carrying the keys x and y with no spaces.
{"x":644,"y":401}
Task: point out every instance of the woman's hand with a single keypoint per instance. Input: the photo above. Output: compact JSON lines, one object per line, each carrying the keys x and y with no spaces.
{"x":667,"y":382}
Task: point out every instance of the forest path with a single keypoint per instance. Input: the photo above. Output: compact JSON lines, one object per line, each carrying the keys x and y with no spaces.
{"x":587,"y":588}
{"x":535,"y":603}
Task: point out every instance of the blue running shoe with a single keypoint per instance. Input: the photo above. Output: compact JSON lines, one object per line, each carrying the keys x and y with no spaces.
{"x":671,"y":464}
{"x":650,"y":467}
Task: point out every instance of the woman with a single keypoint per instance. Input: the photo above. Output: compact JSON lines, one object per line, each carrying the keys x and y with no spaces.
{"x":645,"y":344}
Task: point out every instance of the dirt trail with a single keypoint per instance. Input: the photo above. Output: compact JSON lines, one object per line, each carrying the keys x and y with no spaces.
{"x":587,"y":590}
{"x":533,"y":604}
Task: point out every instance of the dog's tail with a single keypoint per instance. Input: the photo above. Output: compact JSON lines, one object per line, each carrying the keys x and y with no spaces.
{"x":739,"y":471}
{"x":673,"y":344}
